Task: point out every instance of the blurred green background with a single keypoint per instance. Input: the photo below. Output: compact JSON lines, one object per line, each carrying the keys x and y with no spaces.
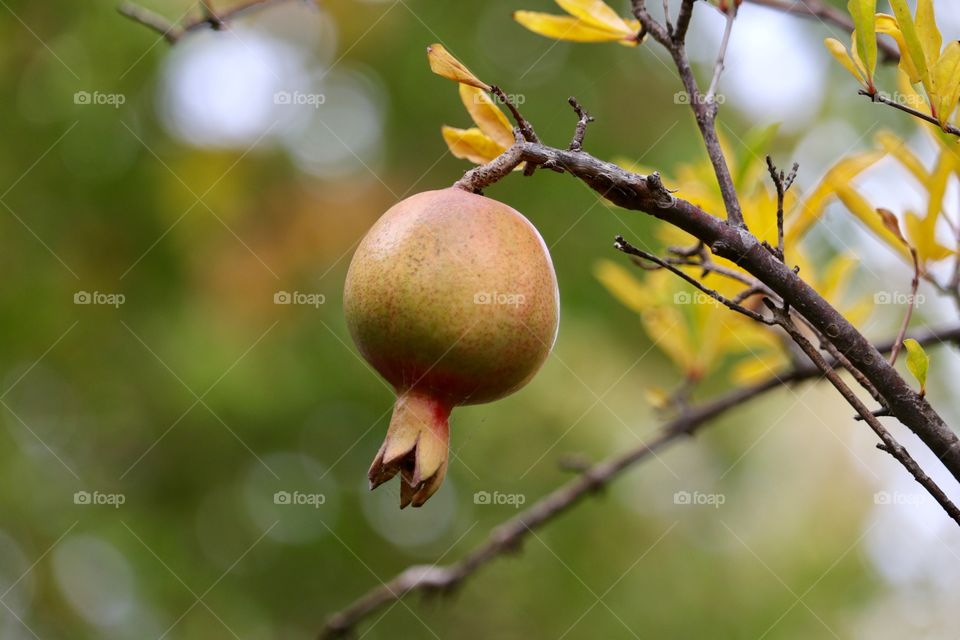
{"x":173,"y":190}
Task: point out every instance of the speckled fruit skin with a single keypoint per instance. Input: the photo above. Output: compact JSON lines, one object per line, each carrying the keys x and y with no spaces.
{"x":453,"y":299}
{"x":421,"y":297}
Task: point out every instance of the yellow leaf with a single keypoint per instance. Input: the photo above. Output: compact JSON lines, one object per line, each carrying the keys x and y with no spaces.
{"x":444,"y":64}
{"x":471,"y":144}
{"x":917,"y":362}
{"x":858,"y":206}
{"x":596,"y":14}
{"x":487,"y":115}
{"x":838,"y":275}
{"x":626,"y":288}
{"x":945,"y":83}
{"x":923,"y":238}
{"x":564,"y":27}
{"x":665,"y":326}
{"x":899,"y":150}
{"x":888,"y":24}
{"x":657,"y":397}
{"x":835,"y":287}
{"x":927,"y":30}
{"x":756,"y":369}
{"x":864,"y":13}
{"x":859,"y":312}
{"x":838,"y":51}
{"x":936,"y":188}
{"x":813,"y":205}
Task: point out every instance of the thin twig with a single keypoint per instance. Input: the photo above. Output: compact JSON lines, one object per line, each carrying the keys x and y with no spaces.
{"x":890,"y":444}
{"x":699,"y":256}
{"x":152,"y":20}
{"x":525,"y":127}
{"x":477,"y":179}
{"x":622,"y":245}
{"x":914,"y":285}
{"x":584,"y":118}
{"x":721,"y":54}
{"x":683,"y":20}
{"x":878,"y":97}
{"x":511,"y":534}
{"x":746,"y":294}
{"x":841,"y":359}
{"x":666,"y":16}
{"x":782,"y":183}
{"x":172,"y":32}
{"x":704,"y":110}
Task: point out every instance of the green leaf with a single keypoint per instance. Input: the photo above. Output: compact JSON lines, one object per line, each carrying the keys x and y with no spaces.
{"x":917,"y":362}
{"x":864,"y":14}
{"x":909,"y":30}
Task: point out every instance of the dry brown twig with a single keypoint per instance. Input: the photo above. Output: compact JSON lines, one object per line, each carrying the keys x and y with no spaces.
{"x":509,"y":536}
{"x":208,"y":18}
{"x":879,"y":97}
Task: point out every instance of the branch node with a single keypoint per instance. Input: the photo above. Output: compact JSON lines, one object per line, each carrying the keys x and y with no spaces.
{"x":584,"y":118}
{"x":782,"y":183}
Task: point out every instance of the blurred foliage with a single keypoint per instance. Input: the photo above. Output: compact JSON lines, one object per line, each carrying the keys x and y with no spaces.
{"x":145,"y":437}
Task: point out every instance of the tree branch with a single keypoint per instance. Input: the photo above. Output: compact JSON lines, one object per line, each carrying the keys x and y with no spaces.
{"x":878,"y":97}
{"x":782,"y":183}
{"x":722,"y":53}
{"x":914,"y":284}
{"x":704,"y":109}
{"x":890,"y":444}
{"x":172,"y":32}
{"x":647,"y":194}
{"x":683,"y":19}
{"x":509,"y":535}
{"x":622,"y":245}
{"x":584,"y":119}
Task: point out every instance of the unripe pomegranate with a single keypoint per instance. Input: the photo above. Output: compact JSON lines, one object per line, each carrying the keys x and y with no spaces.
{"x":452,"y":297}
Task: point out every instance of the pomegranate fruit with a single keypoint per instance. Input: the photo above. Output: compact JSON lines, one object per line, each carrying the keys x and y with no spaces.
{"x":452,"y":298}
